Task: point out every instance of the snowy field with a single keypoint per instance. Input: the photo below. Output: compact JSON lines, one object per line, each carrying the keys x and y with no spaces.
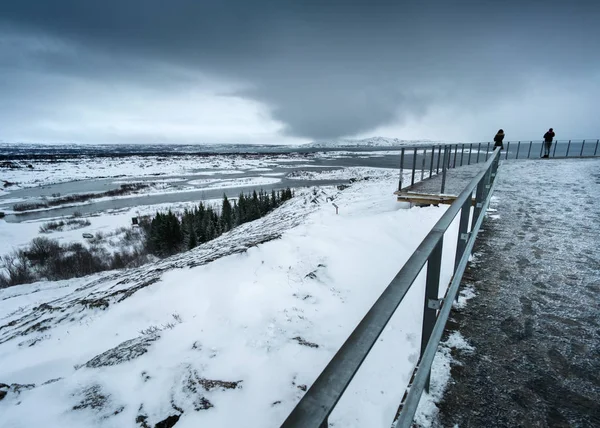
{"x":230,"y":333}
{"x":46,"y":172}
{"x":18,"y":235}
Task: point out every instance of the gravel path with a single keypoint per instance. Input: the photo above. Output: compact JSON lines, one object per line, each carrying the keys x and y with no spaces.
{"x":535,"y":320}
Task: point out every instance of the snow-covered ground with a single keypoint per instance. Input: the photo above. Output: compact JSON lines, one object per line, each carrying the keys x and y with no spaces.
{"x":230,"y":333}
{"x":44,"y":172}
{"x":350,"y":173}
{"x":210,"y":183}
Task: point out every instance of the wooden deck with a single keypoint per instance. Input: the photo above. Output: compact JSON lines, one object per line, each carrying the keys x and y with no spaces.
{"x":425,"y":199}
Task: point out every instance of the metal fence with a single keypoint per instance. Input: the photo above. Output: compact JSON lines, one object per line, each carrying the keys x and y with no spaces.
{"x":426,"y":162}
{"x":559,"y":148}
{"x":314,"y":408}
{"x":423,"y":162}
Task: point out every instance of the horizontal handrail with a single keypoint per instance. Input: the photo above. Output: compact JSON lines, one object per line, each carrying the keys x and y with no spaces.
{"x":319,"y":401}
{"x":423,"y":368}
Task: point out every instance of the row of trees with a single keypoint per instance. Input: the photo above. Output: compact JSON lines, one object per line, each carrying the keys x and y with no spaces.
{"x":48,"y":259}
{"x":167,"y":234}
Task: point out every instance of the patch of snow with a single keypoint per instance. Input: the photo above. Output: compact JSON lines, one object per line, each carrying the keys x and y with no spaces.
{"x":210,"y":183}
{"x":467,"y":292}
{"x":427,"y":411}
{"x":220,"y":171}
{"x":344,"y":174}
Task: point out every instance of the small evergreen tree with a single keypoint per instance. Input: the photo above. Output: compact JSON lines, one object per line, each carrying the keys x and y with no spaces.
{"x":226,"y":214}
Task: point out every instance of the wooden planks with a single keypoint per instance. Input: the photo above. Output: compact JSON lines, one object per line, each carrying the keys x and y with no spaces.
{"x":423,"y":199}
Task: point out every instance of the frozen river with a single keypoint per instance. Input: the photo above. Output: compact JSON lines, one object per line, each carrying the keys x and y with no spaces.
{"x":197,"y":185}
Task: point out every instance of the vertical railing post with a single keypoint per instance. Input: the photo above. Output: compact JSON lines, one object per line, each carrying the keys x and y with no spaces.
{"x":401,"y":169}
{"x":518,"y":148}
{"x":495,"y":166}
{"x":529,"y":151}
{"x":470,"y":150}
{"x":462,"y":154}
{"x":542,"y":149}
{"x":488,"y":183}
{"x":568,"y":147}
{"x":437,"y":169}
{"x":455,"y":154}
{"x":553,"y":151}
{"x":463,"y":231}
{"x":423,"y":165}
{"x":431,"y":166}
{"x":507,"y":147}
{"x":478,"y":151}
{"x":487,"y":152}
{"x":596,"y":149}
{"x":479,"y":197}
{"x":432,"y":285}
{"x":414,"y":166}
{"x":582,"y":146}
{"x":444,"y":169}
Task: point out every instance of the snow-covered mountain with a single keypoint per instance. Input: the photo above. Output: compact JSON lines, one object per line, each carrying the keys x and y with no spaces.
{"x":367,"y":142}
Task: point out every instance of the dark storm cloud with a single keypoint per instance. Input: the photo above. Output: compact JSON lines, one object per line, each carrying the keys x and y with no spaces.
{"x":325,"y":68}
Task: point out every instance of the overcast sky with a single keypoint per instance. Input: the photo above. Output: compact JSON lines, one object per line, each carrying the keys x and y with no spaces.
{"x":282,"y":71}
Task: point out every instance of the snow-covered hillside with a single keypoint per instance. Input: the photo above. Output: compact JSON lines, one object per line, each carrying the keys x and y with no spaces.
{"x":367,"y":142}
{"x":231,"y":333}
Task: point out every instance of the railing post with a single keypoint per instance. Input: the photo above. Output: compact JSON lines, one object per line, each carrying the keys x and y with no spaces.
{"x":529,"y":151}
{"x":553,"y":151}
{"x":432,"y":285}
{"x":414,"y":165}
{"x":455,"y":153}
{"x":582,"y":146}
{"x":518,"y":147}
{"x":542,"y":149}
{"x":437,"y":169}
{"x":444,"y":169}
{"x":507,"y":147}
{"x":487,"y":152}
{"x":401,"y":169}
{"x":568,"y":147}
{"x":462,"y":154}
{"x":423,"y":165}
{"x":596,"y":149}
{"x":470,"y":150}
{"x":495,"y":167}
{"x":478,"y":151}
{"x":431,"y":166}
{"x":463,"y":232}
{"x":479,"y":197}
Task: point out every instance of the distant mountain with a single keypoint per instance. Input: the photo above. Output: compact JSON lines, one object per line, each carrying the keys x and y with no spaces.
{"x":366,"y":142}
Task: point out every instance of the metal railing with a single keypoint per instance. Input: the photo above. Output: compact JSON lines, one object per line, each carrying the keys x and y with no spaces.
{"x":314,"y":408}
{"x":558,"y":149}
{"x":427,"y":161}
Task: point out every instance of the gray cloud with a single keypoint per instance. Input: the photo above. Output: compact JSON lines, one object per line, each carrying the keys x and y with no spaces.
{"x":324,"y":68}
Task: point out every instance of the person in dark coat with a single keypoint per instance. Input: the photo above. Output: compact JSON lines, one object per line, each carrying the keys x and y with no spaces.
{"x":498,"y":139}
{"x":548,"y":137}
